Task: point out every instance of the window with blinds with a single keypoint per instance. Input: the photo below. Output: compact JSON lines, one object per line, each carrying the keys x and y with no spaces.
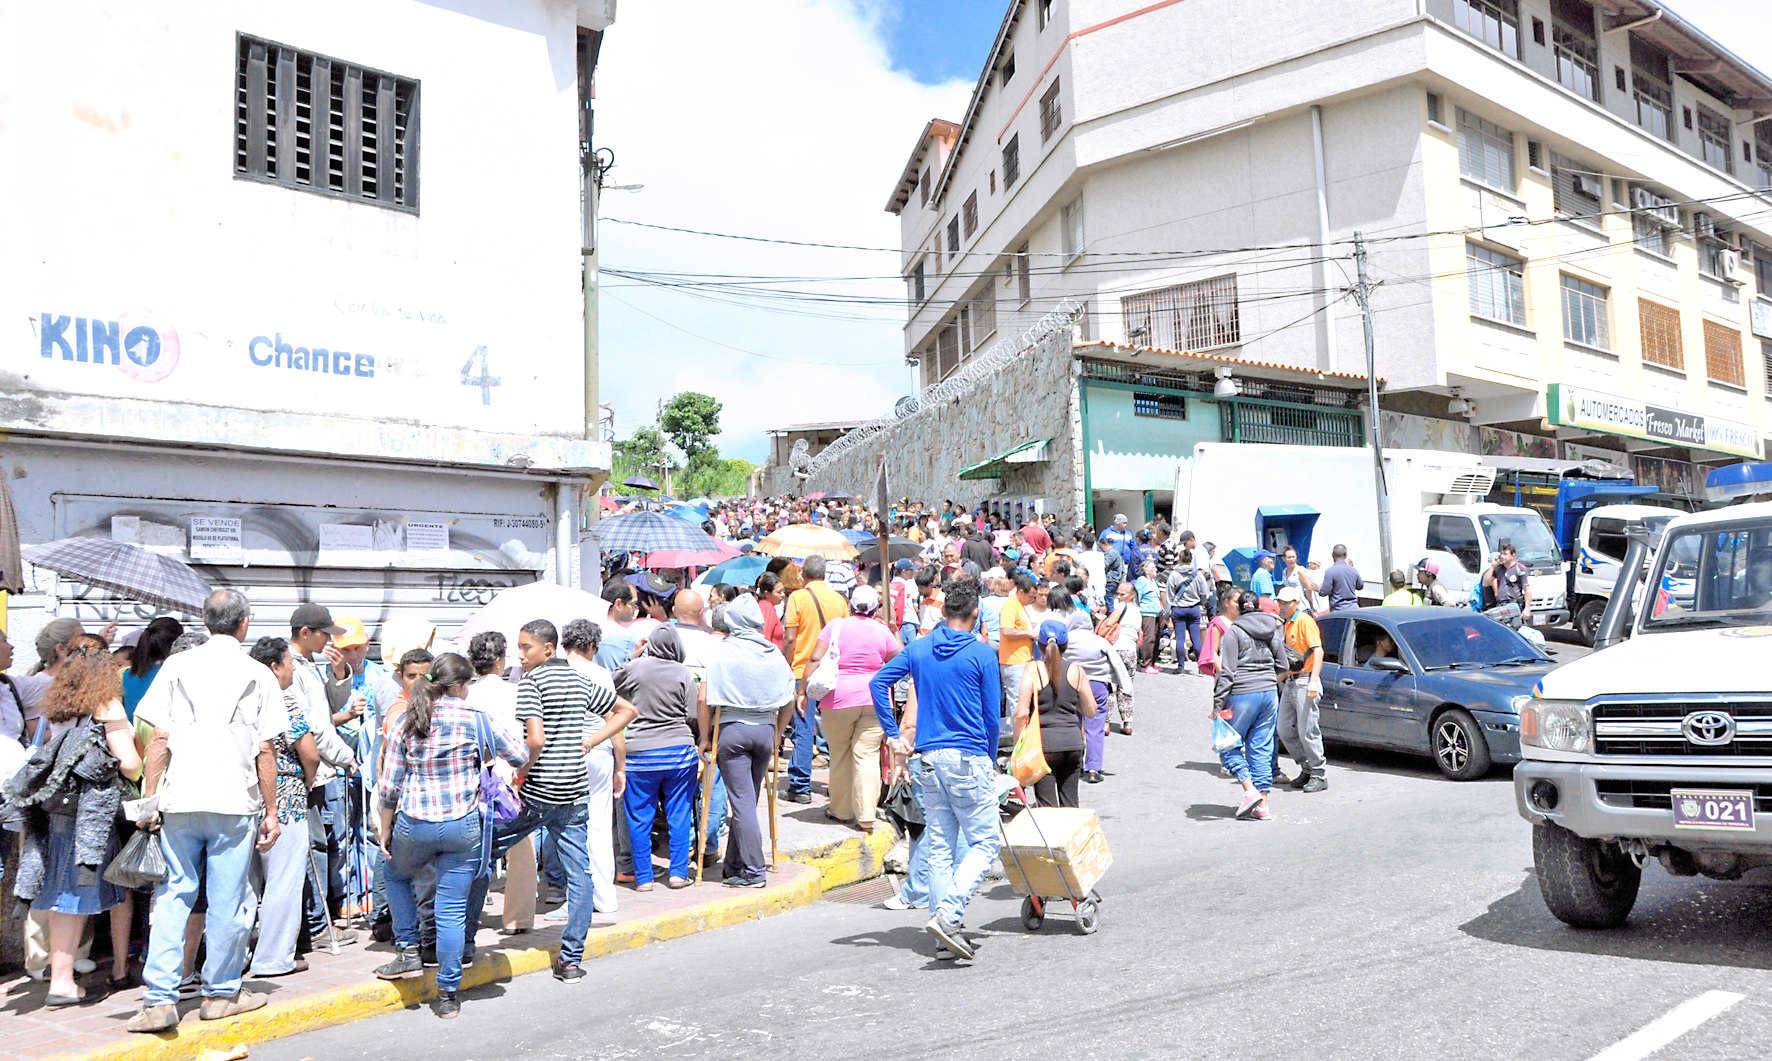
{"x":1584,"y":313}
{"x":1196,"y":316}
{"x":318,"y":124}
{"x":1485,"y":152}
{"x":1497,"y":285}
{"x":1660,"y":329}
{"x":1722,"y":354}
{"x":1576,"y":189}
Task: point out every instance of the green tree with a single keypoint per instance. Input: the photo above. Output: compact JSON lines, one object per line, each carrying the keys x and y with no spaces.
{"x":692,"y":420}
{"x":640,"y":455}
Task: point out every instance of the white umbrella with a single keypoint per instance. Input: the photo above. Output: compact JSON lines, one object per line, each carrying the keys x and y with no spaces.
{"x":510,"y":608}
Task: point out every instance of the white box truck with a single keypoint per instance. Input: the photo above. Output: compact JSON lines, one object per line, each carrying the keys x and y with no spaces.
{"x":1436,"y":512}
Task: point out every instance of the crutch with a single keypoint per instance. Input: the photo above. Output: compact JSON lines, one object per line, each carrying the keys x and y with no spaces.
{"x":707,"y":796}
{"x":332,"y":945}
{"x":774,"y":758}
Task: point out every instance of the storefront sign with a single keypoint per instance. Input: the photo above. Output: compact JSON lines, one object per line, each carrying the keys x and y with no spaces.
{"x":214,"y":540}
{"x":1613,"y":415}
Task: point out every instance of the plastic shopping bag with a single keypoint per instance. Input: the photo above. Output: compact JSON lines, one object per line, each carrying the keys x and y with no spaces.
{"x":1028,"y":761}
{"x":141,"y":863}
{"x":1224,"y":738}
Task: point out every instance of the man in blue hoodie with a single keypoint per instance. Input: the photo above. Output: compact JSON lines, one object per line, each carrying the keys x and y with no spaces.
{"x":954,"y":737}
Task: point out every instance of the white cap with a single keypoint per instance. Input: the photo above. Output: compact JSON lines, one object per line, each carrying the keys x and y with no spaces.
{"x":1119,"y":517}
{"x":1291,"y":593}
{"x":864,"y":598}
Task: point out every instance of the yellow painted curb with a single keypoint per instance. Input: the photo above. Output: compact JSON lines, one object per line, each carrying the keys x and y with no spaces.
{"x":852,"y":860}
{"x":192,"y":1040}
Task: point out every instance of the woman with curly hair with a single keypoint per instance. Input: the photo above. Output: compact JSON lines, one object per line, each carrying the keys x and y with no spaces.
{"x":87,"y":693}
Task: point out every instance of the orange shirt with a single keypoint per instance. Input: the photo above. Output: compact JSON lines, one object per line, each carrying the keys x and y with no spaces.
{"x":1302,"y":635}
{"x":802,"y":615}
{"x":1014,"y":616}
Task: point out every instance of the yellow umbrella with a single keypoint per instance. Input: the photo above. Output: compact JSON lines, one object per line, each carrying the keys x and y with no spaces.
{"x":803,"y":539}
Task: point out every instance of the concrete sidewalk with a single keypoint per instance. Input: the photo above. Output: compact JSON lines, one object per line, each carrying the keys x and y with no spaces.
{"x":816,"y":854}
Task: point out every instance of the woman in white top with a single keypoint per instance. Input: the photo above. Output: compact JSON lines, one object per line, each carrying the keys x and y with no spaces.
{"x":492,"y":693}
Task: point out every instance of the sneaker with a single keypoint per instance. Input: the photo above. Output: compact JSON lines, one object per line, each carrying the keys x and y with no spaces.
{"x":1262,"y":814}
{"x":448,"y":1005}
{"x":1092,"y":776}
{"x":344,"y":936}
{"x":895,"y":903}
{"x":558,"y":913}
{"x":1316,"y":784}
{"x":231,"y":1005}
{"x":568,"y":972}
{"x":949,"y":936}
{"x":1152,"y":670}
{"x":427,"y":956}
{"x":1303,"y":779}
{"x":798,"y":797}
{"x":942,"y":954}
{"x":39,"y":975}
{"x":405,"y":963}
{"x":746,"y":882}
{"x":1251,"y":800}
{"x":190,"y":987}
{"x":382,"y":932}
{"x":153,"y":1019}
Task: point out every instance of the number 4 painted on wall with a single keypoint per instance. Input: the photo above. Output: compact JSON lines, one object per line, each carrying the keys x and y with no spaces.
{"x":485,"y":380}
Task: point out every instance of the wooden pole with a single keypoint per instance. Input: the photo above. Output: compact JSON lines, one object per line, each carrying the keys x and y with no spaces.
{"x":774,"y":760}
{"x":707,"y":795}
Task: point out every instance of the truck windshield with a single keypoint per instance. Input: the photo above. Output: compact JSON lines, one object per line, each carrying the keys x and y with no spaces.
{"x":1714,"y":576}
{"x":1532,"y":540}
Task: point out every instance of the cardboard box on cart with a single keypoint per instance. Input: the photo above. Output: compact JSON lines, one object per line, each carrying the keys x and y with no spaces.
{"x":1079,"y":851}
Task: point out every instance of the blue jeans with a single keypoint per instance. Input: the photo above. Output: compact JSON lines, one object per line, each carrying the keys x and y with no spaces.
{"x":1253,"y":716}
{"x":915,"y":891}
{"x":1189,"y":619}
{"x":453,"y":849}
{"x":958,"y":795}
{"x":640,"y":802}
{"x":805,"y":730}
{"x":567,"y":823}
{"x":710,"y":844}
{"x":218,"y":846}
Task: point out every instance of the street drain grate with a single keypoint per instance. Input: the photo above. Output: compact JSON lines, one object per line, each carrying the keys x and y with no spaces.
{"x":866,"y":893}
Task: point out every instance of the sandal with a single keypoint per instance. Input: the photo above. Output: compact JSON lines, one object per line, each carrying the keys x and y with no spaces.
{"x":643,"y":887}
{"x":867,"y":828}
{"x":676,"y":883}
{"x":833,"y":817}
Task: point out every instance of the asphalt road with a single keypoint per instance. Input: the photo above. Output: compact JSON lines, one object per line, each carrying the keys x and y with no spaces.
{"x":1393,"y":916}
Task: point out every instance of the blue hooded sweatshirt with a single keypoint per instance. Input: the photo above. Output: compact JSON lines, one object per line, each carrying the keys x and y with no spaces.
{"x":959,"y":692}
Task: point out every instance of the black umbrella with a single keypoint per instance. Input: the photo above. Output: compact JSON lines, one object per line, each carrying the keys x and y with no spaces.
{"x":896,"y":549}
{"x":640,"y":482}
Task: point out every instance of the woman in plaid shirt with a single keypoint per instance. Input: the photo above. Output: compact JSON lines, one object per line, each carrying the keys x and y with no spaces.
{"x":432,"y":814}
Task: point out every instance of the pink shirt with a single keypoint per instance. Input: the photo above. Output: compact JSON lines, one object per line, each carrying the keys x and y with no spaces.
{"x":863,"y":647}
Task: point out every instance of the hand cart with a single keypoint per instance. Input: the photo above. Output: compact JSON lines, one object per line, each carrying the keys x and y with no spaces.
{"x":1043,"y":872}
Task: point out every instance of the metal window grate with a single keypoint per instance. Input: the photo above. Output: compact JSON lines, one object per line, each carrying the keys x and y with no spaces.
{"x":1160,"y":406}
{"x":924,"y":185}
{"x":970,"y":213}
{"x":1196,"y":316}
{"x":317,"y":124}
{"x":1584,"y":313}
{"x":1012,"y":162}
{"x":1766,"y":367}
{"x":947,"y":350}
{"x":954,"y":239}
{"x":1244,"y":421}
{"x":1660,"y":328}
{"x":1051,"y":116}
{"x":1722,"y":354}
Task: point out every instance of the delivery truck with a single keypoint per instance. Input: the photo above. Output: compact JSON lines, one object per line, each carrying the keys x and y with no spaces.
{"x":1436,"y":503}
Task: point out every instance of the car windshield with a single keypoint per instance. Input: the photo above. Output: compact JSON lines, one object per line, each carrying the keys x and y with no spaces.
{"x":1465,"y":641}
{"x":1714,"y":576}
{"x":1532,"y":540}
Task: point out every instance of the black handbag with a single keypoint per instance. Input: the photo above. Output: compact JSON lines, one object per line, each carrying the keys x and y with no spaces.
{"x":899,"y":804}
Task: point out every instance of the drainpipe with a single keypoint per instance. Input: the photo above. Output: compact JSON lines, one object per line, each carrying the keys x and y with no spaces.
{"x":1323,"y":237}
{"x":565,"y":531}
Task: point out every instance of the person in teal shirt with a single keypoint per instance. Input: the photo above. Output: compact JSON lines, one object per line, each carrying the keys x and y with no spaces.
{"x":1261,"y":583}
{"x":1152,"y":605}
{"x":151,"y":650}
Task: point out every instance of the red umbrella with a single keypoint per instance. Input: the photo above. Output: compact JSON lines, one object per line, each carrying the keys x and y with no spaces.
{"x":674,"y":558}
{"x":608,"y":503}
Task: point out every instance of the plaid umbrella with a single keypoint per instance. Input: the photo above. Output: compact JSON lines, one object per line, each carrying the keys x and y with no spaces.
{"x":649,"y":532}
{"x":12,"y":572}
{"x":124,"y":568}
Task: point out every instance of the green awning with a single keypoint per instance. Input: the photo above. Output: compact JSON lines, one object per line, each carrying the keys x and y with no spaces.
{"x":1026,"y":453}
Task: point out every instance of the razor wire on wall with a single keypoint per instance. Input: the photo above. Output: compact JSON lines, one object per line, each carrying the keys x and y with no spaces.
{"x":1003,"y":352}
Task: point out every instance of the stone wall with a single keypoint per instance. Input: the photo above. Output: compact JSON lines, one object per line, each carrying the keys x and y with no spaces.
{"x":1030,"y":398}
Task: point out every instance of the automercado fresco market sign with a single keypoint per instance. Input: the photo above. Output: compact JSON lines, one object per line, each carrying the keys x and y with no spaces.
{"x":1598,"y":411}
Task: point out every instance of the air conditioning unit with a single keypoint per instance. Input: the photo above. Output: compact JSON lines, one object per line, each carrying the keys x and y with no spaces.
{"x":1586,"y":184}
{"x":1732,"y":266}
{"x":1655,"y":207}
{"x":1704,"y":226}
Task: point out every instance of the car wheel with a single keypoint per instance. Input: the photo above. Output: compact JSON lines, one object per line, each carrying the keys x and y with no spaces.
{"x":1586,"y":883}
{"x":1459,"y":749}
{"x":1587,"y":621}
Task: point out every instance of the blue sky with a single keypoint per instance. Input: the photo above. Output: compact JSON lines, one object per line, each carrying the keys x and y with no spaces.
{"x":937,"y":41}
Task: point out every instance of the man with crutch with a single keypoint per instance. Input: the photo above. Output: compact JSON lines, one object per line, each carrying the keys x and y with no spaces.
{"x":750,"y":695}
{"x":953,"y":756}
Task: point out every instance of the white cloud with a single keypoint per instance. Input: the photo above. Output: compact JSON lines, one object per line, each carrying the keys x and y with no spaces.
{"x":782,"y":120}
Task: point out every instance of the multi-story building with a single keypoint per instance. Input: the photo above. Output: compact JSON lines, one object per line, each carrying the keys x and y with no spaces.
{"x":1563,"y":209}
{"x":298,"y":293}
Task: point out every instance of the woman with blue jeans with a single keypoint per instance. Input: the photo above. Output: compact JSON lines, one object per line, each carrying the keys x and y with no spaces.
{"x":659,"y":693}
{"x":1246,"y":693}
{"x":434,"y":814}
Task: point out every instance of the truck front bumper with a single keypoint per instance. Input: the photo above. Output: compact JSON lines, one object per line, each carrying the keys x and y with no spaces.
{"x":1592,"y":801}
{"x":1551,"y":617}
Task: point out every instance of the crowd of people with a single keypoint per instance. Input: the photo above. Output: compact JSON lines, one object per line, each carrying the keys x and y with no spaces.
{"x":301,"y":794}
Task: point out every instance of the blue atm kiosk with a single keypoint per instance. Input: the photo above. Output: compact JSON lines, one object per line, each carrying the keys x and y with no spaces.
{"x":1277,"y":526}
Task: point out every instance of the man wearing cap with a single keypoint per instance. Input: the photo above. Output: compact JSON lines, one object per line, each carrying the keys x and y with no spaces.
{"x":1261,"y":580}
{"x":311,"y":630}
{"x":359,"y":693}
{"x":1428,"y":574}
{"x":1120,"y":539}
{"x":1298,"y":725}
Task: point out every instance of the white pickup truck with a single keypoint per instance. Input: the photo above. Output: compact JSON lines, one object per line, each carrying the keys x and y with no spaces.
{"x":1659,"y":746}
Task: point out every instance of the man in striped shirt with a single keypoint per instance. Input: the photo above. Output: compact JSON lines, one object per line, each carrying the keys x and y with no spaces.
{"x":554,"y":704}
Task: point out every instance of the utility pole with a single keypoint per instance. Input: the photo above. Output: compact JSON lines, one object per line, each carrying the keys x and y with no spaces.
{"x":1363,"y":293}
